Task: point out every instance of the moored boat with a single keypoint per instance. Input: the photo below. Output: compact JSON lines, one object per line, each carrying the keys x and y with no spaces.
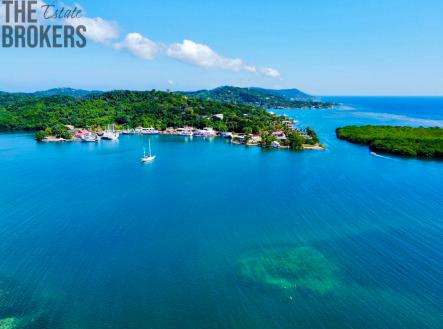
{"x":148,"y":158}
{"x":186,"y":131}
{"x":226,"y":135}
{"x":111,"y":134}
{"x":146,"y":131}
{"x":90,"y":138}
{"x":205,"y":132}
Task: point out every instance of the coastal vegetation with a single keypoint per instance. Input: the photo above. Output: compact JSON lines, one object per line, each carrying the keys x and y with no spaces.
{"x":405,"y":141}
{"x":266,"y":98}
{"x":50,"y":116}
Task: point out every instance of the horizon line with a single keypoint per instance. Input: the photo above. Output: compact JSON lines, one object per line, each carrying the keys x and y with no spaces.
{"x":174,"y":91}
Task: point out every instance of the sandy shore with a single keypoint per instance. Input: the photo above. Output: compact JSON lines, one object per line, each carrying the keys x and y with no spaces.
{"x":317,"y":147}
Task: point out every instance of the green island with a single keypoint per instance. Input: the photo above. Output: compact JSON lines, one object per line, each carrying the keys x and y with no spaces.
{"x":404,"y":141}
{"x":266,"y":98}
{"x":54,"y":116}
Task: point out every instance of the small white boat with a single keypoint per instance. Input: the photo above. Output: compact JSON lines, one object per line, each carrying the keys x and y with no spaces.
{"x":148,"y":158}
{"x":186,"y":131}
{"x":226,"y":135}
{"x":150,"y":131}
{"x":111,"y":135}
{"x":90,"y":138}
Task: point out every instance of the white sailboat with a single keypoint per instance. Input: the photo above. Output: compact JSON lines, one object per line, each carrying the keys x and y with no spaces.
{"x":111,"y":134}
{"x":148,"y":158}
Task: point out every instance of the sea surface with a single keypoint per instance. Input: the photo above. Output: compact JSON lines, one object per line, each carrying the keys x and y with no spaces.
{"x":214,"y":235}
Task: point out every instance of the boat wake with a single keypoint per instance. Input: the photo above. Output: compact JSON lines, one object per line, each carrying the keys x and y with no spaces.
{"x":380,"y":156}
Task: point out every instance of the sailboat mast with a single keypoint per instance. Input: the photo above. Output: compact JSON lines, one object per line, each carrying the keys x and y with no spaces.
{"x":150,"y":148}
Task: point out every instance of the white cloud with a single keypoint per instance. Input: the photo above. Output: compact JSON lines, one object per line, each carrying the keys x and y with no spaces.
{"x":139,"y":46}
{"x":97,"y":29}
{"x":270,"y":72}
{"x":201,"y":55}
{"x":250,"y":68}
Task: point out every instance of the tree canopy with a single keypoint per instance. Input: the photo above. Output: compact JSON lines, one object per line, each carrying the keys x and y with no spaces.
{"x":129,"y":109}
{"x":405,"y":141}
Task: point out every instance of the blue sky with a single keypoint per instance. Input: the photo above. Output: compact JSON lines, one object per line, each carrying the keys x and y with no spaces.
{"x":345,"y":47}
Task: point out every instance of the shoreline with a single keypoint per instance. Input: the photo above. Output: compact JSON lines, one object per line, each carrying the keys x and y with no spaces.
{"x":235,"y":139}
{"x":317,"y":147}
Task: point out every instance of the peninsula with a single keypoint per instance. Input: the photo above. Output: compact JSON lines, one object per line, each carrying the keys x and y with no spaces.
{"x":54,"y":116}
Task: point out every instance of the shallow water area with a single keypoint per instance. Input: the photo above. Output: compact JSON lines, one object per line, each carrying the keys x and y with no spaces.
{"x":291,"y":268}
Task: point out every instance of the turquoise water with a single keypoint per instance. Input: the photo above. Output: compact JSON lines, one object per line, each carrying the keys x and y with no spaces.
{"x":214,"y":235}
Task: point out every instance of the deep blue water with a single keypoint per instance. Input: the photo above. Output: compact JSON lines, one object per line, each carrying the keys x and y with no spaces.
{"x":90,"y":238}
{"x":417,"y":107}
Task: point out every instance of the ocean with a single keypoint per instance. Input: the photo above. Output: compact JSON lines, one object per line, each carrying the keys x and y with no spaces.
{"x":214,"y":235}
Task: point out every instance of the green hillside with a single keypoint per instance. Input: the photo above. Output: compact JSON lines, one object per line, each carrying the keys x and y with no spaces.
{"x":129,"y":109}
{"x":268,"y":99}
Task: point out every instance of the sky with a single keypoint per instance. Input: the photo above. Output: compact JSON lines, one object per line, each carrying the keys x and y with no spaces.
{"x":323,"y":47}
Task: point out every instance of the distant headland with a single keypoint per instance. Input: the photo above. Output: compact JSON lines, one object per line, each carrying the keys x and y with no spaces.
{"x":254,"y":96}
{"x":266,"y":98}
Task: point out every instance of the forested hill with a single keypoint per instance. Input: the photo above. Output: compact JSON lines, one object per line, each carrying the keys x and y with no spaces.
{"x":266,"y":98}
{"x":293,"y":93}
{"x":66,"y":92}
{"x":128,"y":109}
{"x":76,"y":93}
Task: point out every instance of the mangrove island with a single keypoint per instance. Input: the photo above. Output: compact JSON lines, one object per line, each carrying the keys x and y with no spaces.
{"x":404,"y":141}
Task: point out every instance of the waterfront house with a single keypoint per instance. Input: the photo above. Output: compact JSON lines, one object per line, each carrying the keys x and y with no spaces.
{"x":81,"y":133}
{"x":254,"y":140}
{"x":289,"y":123}
{"x":280,"y":135}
